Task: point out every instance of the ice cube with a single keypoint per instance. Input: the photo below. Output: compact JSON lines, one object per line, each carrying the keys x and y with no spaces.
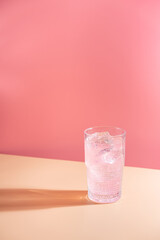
{"x":99,"y":136}
{"x":108,"y":158}
{"x":99,"y":143}
{"x":103,"y":135}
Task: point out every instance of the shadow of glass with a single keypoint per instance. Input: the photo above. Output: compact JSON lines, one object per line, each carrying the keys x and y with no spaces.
{"x":26,"y":199}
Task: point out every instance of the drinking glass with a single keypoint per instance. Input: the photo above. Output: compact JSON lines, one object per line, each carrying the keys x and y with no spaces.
{"x":104,"y":159}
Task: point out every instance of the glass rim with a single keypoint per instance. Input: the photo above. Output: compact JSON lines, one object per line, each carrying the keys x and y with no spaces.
{"x":123,"y":134}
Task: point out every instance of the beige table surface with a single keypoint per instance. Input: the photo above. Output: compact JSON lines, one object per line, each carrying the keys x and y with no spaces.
{"x":47,"y":199}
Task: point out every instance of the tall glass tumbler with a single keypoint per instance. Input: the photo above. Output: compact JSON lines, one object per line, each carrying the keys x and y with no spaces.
{"x":104,"y":159}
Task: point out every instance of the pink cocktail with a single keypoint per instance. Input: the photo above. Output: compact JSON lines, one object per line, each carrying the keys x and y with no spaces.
{"x":104,"y":158}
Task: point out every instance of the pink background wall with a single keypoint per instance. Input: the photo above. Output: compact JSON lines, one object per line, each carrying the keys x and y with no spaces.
{"x":67,"y":65}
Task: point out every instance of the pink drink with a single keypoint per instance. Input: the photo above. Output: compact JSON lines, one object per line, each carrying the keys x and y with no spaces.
{"x":104,"y":157}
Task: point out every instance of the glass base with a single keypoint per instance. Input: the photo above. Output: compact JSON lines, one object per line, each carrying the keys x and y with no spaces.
{"x":104,"y":198}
